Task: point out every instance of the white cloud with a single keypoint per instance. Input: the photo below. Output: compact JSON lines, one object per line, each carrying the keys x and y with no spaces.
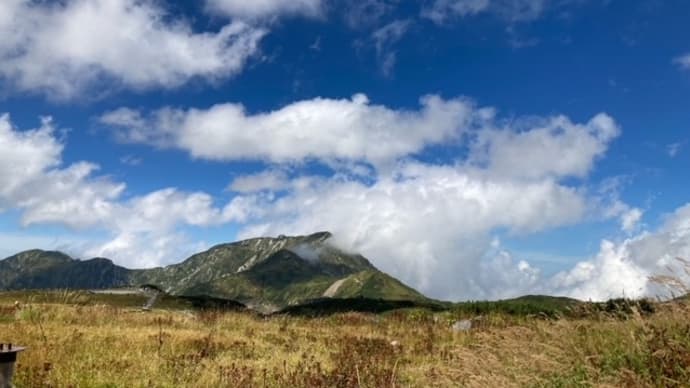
{"x":625,"y":268}
{"x":551,"y":147}
{"x":611,"y":274}
{"x":34,"y":150}
{"x":64,"y":49}
{"x":144,"y":229}
{"x":256,"y":9}
{"x":322,"y":129}
{"x":31,"y":179}
{"x":146,"y":250}
{"x":70,"y":196}
{"x":683,"y":61}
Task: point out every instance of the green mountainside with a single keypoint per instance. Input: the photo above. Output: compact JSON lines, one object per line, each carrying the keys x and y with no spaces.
{"x":266,"y":274}
{"x":38,"y":269}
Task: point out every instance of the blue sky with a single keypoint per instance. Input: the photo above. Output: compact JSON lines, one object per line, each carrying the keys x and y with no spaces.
{"x":472,"y":148}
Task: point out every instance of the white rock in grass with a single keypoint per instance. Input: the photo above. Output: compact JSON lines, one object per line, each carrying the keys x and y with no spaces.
{"x":463,"y":325}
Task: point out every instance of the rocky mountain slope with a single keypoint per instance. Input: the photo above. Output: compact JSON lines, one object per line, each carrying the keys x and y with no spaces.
{"x":263,"y":273}
{"x":37,"y":269}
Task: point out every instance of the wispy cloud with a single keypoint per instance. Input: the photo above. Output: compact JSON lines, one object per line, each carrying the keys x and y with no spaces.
{"x":512,"y":11}
{"x":259,"y":9}
{"x":364,"y":14}
{"x":440,"y":11}
{"x":674,"y":148}
{"x":682,"y":61}
{"x":384,"y":40}
{"x":131,"y":160}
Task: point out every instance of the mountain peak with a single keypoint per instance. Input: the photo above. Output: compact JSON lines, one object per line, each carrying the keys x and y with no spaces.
{"x":266,"y":272}
{"x":39,"y":256}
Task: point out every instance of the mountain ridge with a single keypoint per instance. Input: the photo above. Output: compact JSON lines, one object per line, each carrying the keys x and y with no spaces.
{"x":266,"y":273}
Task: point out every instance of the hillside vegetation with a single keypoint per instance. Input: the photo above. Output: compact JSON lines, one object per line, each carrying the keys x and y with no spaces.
{"x":85,"y":340}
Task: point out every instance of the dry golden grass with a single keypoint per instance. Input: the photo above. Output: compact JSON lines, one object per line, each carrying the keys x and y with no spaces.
{"x":105,"y":346}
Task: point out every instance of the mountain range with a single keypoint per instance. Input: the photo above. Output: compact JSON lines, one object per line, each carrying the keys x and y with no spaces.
{"x":263,"y":273}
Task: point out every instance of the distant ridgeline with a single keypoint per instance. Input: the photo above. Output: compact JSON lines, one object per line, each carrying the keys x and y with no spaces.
{"x":263,"y":273}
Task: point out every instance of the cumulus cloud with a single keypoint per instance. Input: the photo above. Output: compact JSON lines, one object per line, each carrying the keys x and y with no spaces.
{"x":257,"y":9}
{"x":143,"y":229}
{"x":63,"y":49}
{"x":35,"y":150}
{"x":31,"y":178}
{"x":625,"y":268}
{"x":321,"y":129}
{"x":551,"y":147}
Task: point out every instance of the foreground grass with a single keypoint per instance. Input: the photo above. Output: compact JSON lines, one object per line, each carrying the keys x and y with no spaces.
{"x":75,"y":342}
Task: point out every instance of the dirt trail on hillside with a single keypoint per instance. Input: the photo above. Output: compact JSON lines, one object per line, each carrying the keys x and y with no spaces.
{"x":330,"y":292}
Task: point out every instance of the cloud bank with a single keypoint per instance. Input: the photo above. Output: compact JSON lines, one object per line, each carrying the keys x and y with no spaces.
{"x":434,"y":225}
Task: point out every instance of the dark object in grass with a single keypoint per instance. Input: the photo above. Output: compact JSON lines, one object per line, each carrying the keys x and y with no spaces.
{"x":208,"y":302}
{"x":8,"y":357}
{"x":329,"y":306}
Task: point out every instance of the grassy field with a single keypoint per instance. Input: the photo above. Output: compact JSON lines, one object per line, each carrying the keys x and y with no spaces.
{"x":77,"y":339}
